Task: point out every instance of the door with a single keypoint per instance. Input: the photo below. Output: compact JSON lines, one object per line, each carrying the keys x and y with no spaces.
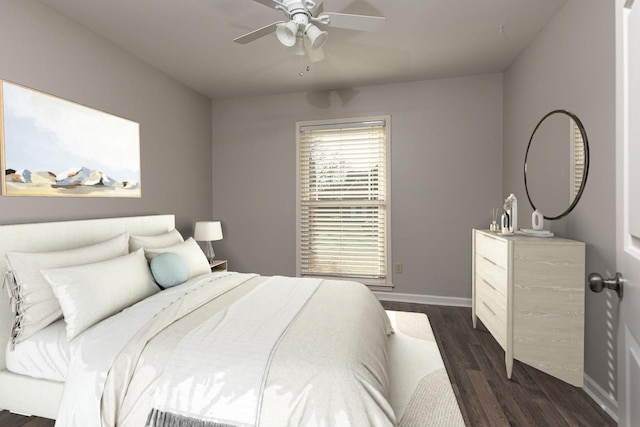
{"x":628,"y":207}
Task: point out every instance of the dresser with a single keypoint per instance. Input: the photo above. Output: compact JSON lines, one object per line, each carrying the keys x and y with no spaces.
{"x":529,"y":294}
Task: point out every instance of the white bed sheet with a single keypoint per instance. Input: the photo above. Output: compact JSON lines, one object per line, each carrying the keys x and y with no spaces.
{"x":44,"y":355}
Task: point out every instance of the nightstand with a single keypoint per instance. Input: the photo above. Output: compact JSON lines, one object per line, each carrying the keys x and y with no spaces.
{"x":218,"y":265}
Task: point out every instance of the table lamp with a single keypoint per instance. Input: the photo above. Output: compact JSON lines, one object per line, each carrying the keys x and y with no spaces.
{"x":208,"y":231}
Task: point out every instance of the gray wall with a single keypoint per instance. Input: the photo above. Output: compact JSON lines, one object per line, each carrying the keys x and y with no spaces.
{"x":446,"y":174}
{"x":45,"y":51}
{"x":571,"y":65}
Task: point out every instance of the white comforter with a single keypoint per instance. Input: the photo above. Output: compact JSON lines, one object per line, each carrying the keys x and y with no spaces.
{"x":329,"y":368}
{"x":216,"y":373}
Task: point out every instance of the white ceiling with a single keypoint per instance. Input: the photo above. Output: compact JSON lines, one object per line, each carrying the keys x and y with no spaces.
{"x":191,"y":40}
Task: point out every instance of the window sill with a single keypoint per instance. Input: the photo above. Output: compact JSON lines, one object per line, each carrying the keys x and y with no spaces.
{"x":373,"y":284}
{"x":386,"y":287}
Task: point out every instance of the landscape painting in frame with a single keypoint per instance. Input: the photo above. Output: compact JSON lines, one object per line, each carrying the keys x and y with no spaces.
{"x":54,"y":147}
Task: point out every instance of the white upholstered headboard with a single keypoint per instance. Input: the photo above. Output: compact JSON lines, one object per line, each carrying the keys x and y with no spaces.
{"x":53,"y":236}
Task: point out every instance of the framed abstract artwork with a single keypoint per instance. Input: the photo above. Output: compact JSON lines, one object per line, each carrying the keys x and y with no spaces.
{"x":57,"y":148}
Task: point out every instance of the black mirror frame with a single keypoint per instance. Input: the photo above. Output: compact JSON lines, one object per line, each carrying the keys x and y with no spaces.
{"x":586,"y":163}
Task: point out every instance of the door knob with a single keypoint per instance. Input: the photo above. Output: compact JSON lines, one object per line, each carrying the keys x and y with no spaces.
{"x":597,"y":283}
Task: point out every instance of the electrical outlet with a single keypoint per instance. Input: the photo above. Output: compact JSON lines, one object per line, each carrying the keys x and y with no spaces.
{"x":398,"y":268}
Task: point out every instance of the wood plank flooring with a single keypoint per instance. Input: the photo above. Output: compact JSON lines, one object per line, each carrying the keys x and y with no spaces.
{"x":475,"y":363}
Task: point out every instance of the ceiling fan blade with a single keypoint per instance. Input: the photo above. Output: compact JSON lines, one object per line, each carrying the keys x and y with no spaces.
{"x":319,"y":8}
{"x":256,"y":34}
{"x":356,"y":22}
{"x":269,"y":3}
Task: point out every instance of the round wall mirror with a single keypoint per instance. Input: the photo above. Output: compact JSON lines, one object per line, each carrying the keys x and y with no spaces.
{"x":556,"y":165}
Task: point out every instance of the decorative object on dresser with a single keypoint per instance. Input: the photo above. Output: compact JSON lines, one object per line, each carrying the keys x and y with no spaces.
{"x":494,"y":227}
{"x":529,"y":293}
{"x":511,"y":209}
{"x":537,"y":226}
{"x":208,"y":231}
{"x":504,"y":223}
{"x":535,"y":233}
{"x":537,"y":220}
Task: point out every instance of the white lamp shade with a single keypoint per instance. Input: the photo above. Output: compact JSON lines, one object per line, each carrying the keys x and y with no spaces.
{"x":286,"y":33}
{"x":317,"y":37}
{"x":299,"y":47}
{"x":314,"y":55}
{"x":208,"y":231}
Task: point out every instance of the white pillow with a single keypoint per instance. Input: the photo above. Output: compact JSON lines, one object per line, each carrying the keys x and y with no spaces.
{"x":92,"y":292}
{"x":37,"y":306}
{"x":158,"y":241}
{"x":190,"y":251}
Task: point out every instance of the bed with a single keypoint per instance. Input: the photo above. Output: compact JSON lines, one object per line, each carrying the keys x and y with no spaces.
{"x":381,"y":392}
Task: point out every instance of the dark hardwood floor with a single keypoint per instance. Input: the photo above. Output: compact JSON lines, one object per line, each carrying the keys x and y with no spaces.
{"x":9,"y":419}
{"x":475,"y":363}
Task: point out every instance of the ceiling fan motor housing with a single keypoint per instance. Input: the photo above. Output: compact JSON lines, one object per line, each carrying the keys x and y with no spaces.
{"x":300,"y":25}
{"x":292,"y":5}
{"x":300,"y":17}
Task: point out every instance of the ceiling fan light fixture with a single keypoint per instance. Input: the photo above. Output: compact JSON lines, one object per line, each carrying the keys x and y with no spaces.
{"x":300,"y":31}
{"x":316,"y":36}
{"x":286,"y":33}
{"x":299,"y":47}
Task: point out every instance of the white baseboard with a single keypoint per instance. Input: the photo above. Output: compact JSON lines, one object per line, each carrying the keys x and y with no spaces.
{"x":423,"y":299}
{"x":21,"y":413}
{"x":607,"y":402}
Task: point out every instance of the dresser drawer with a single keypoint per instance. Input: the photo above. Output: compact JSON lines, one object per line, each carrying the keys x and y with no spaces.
{"x":489,"y":295}
{"x":492,"y":273}
{"x":492,"y":248}
{"x":488,"y":315}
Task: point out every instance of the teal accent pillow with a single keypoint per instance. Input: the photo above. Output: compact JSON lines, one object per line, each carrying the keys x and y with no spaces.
{"x":169,"y":270}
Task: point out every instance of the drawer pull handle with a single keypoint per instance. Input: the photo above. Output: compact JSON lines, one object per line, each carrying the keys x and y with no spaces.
{"x":488,"y":308}
{"x":490,"y":285}
{"x":488,"y":260}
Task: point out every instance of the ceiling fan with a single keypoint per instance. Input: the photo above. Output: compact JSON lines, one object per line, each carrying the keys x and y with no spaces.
{"x":300,"y":30}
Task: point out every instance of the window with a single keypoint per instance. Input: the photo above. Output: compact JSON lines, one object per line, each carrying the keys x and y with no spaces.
{"x":577,"y":160}
{"x":343,"y":199}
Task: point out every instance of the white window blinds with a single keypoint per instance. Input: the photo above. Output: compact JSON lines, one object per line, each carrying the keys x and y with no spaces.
{"x":343,"y":199}
{"x":578,"y":160}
